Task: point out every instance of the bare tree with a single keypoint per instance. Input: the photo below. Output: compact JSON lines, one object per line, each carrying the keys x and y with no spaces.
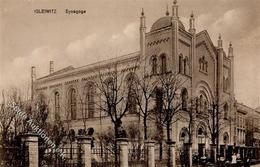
{"x":216,"y":121}
{"x":114,"y":98}
{"x":144,"y":97}
{"x":8,"y":121}
{"x":171,"y":84}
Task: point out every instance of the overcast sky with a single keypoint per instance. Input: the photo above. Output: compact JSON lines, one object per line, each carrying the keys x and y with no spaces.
{"x":110,"y":28}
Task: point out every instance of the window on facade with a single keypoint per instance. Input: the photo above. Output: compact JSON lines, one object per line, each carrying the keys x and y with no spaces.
{"x":205,"y":106}
{"x":203,"y":64}
{"x":132,"y":103}
{"x":154,"y":65}
{"x":184,"y":96}
{"x":201,"y":104}
{"x":226,"y":80}
{"x":164,"y":64}
{"x":197,"y":105}
{"x":57,"y":104}
{"x":185,"y":65}
{"x":90,"y":101}
{"x":159,"y":100}
{"x":225,"y":111}
{"x":200,"y":131}
{"x":73,"y":103}
{"x":181,"y":64}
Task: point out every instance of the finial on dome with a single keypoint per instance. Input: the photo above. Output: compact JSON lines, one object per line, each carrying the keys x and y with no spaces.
{"x":142,"y":13}
{"x":175,"y":2}
{"x":219,"y":36}
{"x":167,"y":11}
{"x":219,"y":41}
{"x":192,"y":15}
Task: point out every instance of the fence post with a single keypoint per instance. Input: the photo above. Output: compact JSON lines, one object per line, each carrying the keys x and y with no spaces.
{"x":123,"y":151}
{"x":213,"y":153}
{"x":85,"y":144}
{"x":189,"y":152}
{"x":31,"y":140}
{"x":171,"y":145}
{"x":150,"y":154}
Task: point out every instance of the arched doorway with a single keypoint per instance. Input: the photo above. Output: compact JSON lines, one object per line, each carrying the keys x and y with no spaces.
{"x":223,"y":147}
{"x":201,"y":134}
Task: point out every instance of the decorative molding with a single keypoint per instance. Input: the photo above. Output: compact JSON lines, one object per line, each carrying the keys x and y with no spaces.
{"x":41,"y":88}
{"x":207,"y":48}
{"x":55,"y":85}
{"x":164,"y":40}
{"x":72,"y":81}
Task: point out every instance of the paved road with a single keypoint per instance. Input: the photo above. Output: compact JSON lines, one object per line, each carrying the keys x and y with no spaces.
{"x":258,"y":165}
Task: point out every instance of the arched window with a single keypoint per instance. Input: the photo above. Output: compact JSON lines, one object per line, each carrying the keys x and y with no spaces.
{"x":72,"y":103}
{"x":200,"y":131}
{"x":181,"y":63}
{"x":159,"y":99}
{"x":164,"y":64}
{"x":131,"y":85}
{"x":57,"y":104}
{"x":90,"y":100}
{"x":201,"y":104}
{"x":185,"y":65}
{"x":184,"y":136}
{"x":184,"y":99}
{"x":154,"y":65}
{"x":197,"y":105}
{"x":226,"y":111}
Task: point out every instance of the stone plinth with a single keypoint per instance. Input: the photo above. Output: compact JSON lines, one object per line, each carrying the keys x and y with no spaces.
{"x":85,"y":144}
{"x":150,"y":154}
{"x":123,"y":151}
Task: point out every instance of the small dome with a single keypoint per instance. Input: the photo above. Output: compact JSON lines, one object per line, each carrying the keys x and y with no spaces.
{"x":164,"y":22}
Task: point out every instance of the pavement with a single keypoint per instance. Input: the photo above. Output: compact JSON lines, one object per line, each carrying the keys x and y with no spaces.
{"x":257,"y":165}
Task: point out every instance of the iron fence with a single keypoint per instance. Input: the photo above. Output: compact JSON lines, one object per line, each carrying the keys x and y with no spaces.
{"x":71,"y":157}
{"x":14,"y":156}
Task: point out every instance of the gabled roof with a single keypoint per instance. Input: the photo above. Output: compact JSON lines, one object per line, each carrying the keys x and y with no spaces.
{"x":206,"y":34}
{"x":70,"y":70}
{"x":63,"y":70}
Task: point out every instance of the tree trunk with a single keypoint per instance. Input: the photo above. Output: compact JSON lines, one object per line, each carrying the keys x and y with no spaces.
{"x":168,"y":131}
{"x":115,"y":145}
{"x":145,"y":127}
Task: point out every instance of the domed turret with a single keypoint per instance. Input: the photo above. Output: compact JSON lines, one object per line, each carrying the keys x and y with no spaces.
{"x":165,"y":22}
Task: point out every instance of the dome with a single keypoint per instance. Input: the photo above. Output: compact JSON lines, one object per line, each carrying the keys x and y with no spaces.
{"x":164,"y":22}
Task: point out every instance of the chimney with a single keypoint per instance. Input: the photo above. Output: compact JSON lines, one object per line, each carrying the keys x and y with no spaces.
{"x":51,"y":67}
{"x":33,"y":79}
{"x":33,"y":73}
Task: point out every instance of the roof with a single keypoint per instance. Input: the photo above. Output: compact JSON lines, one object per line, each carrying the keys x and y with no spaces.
{"x":164,"y":22}
{"x":72,"y":70}
{"x":63,"y":70}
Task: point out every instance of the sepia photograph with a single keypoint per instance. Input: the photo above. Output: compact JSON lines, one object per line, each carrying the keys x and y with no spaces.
{"x":129,"y":83}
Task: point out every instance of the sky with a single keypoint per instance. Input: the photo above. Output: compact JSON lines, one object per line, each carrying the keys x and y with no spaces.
{"x":110,"y":28}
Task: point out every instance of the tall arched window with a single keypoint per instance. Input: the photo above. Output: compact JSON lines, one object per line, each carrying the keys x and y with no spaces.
{"x":164,"y":64}
{"x":201,"y":108}
{"x":57,"y":104}
{"x":73,"y":103}
{"x":131,"y":82}
{"x":90,"y":100}
{"x":226,"y":111}
{"x":180,"y":63}
{"x":185,"y":65}
{"x":154,"y":65}
{"x":184,"y":98}
{"x":205,"y":106}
